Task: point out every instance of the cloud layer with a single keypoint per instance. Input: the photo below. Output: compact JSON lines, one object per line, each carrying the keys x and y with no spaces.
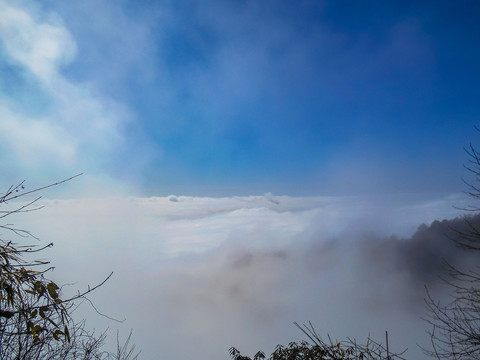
{"x":198,"y":275}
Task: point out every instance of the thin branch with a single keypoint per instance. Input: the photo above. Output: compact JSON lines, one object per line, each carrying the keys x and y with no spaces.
{"x":4,"y":199}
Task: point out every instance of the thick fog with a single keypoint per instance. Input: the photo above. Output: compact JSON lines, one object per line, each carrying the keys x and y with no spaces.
{"x":194,"y":276}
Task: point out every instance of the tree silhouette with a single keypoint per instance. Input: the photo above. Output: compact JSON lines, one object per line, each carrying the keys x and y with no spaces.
{"x":455,"y":332}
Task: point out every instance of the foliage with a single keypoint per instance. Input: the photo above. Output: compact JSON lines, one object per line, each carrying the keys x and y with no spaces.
{"x":323,"y":350}
{"x":35,"y":319}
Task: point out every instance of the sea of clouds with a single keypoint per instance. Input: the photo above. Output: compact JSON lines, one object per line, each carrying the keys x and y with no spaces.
{"x":194,"y":276}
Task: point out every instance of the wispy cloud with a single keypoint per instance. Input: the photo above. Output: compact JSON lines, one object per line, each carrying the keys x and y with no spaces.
{"x":40,"y":46}
{"x":77,"y":129}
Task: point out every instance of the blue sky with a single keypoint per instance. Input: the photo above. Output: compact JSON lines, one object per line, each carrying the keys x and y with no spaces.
{"x":244,"y":97}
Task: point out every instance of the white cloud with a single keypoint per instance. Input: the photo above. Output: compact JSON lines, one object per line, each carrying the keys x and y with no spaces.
{"x":26,"y":136}
{"x":39,"y":46}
